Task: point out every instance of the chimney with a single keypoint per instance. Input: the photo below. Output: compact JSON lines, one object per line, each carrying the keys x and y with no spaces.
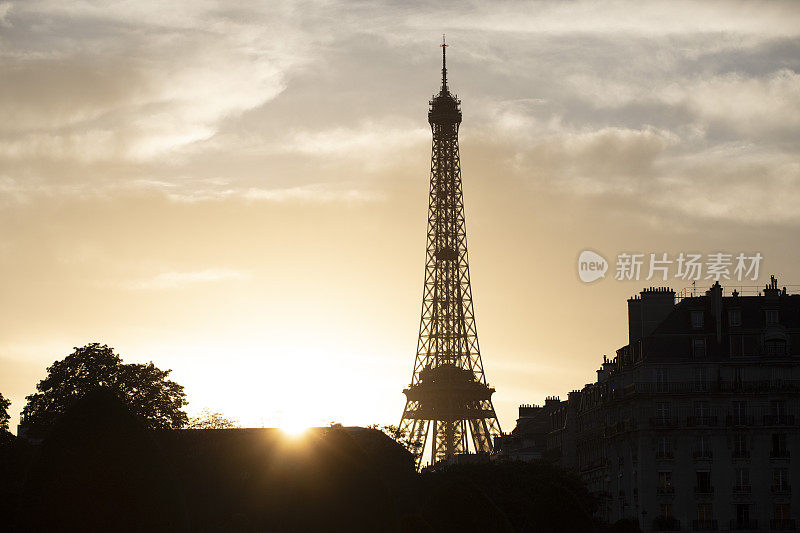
{"x":528,"y":410}
{"x":551,"y":400}
{"x":648,"y":310}
{"x":715,"y":297}
{"x":772,"y":291}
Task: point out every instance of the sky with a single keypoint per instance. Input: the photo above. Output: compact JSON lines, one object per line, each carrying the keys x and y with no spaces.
{"x":237,"y":190}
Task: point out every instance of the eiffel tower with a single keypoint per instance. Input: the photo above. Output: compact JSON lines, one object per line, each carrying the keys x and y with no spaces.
{"x":448,"y":396}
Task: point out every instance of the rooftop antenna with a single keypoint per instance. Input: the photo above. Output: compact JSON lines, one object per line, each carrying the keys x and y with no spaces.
{"x":444,"y":65}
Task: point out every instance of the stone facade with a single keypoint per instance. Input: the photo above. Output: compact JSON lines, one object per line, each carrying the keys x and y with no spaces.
{"x":693,"y":425}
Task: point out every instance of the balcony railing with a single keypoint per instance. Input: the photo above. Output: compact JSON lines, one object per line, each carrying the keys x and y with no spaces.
{"x":704,"y":491}
{"x":742,"y":489}
{"x":741,"y":454}
{"x":744,"y":525}
{"x":666,"y":490}
{"x":735,"y":420}
{"x":702,"y":454}
{"x":781,"y":489}
{"x":782,"y":524}
{"x":779,"y":454}
{"x":704,"y":525}
{"x":666,"y":523}
{"x":692,"y":421}
{"x":778,"y":420}
{"x":683,"y":387}
{"x":663,"y":422}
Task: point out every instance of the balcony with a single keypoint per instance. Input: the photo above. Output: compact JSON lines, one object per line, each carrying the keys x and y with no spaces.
{"x":779,"y":454}
{"x":665,"y":490}
{"x":781,"y":489}
{"x":741,"y":454}
{"x":778,"y":420}
{"x":742,"y":489}
{"x":688,"y":387}
{"x":666,"y":523}
{"x":702,"y":455}
{"x":744,"y":525}
{"x":704,"y":492}
{"x":704,"y":525}
{"x":619,"y":427}
{"x":665,"y":456}
{"x":782,"y":524}
{"x":739,"y":421}
{"x":694,"y":421}
{"x":663,"y":422}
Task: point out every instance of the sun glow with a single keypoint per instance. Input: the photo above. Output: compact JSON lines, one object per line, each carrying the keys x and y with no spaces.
{"x":295,"y":429}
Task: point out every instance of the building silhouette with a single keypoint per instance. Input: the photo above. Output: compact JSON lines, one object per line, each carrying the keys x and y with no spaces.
{"x":448,"y":398}
{"x":693,"y":425}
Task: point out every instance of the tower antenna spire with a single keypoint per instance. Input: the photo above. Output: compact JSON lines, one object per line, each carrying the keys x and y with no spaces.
{"x":444,"y":65}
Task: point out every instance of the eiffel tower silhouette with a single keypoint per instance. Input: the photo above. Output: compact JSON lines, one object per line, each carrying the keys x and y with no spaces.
{"x":448,"y":394}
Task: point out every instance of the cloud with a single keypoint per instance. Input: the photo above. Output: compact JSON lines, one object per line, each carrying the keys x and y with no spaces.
{"x":309,"y":194}
{"x":143,"y":86}
{"x":323,"y":102}
{"x":180,"y":280}
{"x":611,"y":17}
{"x":750,"y":106}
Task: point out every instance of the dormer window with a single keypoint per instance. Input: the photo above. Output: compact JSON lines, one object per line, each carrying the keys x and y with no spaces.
{"x":697,"y":319}
{"x":734,"y":317}
{"x":771,"y":316}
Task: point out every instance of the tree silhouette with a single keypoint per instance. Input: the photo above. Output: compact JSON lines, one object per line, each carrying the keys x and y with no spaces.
{"x":212,"y":420}
{"x":4,"y":418}
{"x":144,"y":388}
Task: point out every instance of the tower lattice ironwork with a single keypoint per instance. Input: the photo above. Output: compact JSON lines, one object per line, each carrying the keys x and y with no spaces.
{"x":448,"y":396}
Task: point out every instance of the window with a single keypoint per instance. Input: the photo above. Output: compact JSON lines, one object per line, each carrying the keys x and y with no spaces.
{"x":734,"y":317}
{"x":702,"y":414}
{"x":704,"y":512}
{"x":660,"y":379}
{"x":741,"y":480}
{"x":664,"y":447}
{"x":665,"y":482}
{"x":702,"y":448}
{"x":697,"y":319}
{"x":699,"y":347}
{"x":740,"y":450}
{"x":782,"y":511}
{"x":737,"y":345}
{"x":780,"y":479}
{"x":663,"y":412}
{"x":739,"y":417}
{"x":701,"y":379}
{"x":771,"y":316}
{"x":779,"y":445}
{"x":777,"y":408}
{"x":743,"y":514}
{"x":738,"y":378}
{"x":704,"y":482}
{"x":666,"y":510}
